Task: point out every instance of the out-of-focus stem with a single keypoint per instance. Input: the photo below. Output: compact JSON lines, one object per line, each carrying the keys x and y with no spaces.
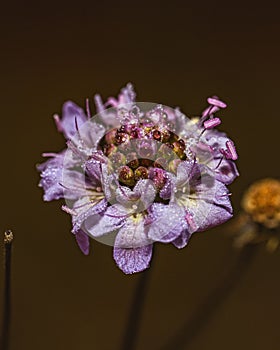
{"x":134,"y":318}
{"x":5,"y":333}
{"x":207,"y":309}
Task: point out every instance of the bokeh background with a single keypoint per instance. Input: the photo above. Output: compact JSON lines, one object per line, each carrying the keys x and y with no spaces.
{"x":177,"y":54}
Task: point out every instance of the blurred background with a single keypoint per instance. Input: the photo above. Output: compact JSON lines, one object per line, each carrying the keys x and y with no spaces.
{"x":177,"y":54}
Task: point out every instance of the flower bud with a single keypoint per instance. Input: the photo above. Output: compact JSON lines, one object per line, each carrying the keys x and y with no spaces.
{"x":126,"y":175}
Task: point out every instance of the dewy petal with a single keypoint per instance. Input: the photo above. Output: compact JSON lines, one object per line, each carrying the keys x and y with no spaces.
{"x":187,"y":173}
{"x":225,"y":170}
{"x":133,"y":260}
{"x":168,"y":188}
{"x":86,"y":209}
{"x":182,"y":240}
{"x":133,"y":234}
{"x":132,"y":248}
{"x":73,"y":116}
{"x":82,"y":241}
{"x":211,"y":207}
{"x":112,"y":219}
{"x":93,"y":169}
{"x":51,"y":177}
{"x":165,"y":222}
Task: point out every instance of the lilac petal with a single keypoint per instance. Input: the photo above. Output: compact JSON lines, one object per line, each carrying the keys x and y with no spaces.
{"x":126,"y":96}
{"x":133,"y":260}
{"x":93,"y":169}
{"x":133,"y":234}
{"x":112,"y":219}
{"x":82,"y":241}
{"x":168,"y":188}
{"x":147,"y":192}
{"x":182,"y":240}
{"x":165,"y":222}
{"x":73,"y":116}
{"x":226,"y":171}
{"x":211,"y":207}
{"x":187,"y":173}
{"x":86,"y":209}
{"x":51,"y":177}
{"x":109,"y":184}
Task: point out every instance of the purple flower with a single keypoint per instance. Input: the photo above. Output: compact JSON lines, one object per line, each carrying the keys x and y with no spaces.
{"x":139,"y":173}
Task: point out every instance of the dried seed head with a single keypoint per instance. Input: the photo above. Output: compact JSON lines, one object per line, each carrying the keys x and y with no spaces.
{"x":262,"y":202}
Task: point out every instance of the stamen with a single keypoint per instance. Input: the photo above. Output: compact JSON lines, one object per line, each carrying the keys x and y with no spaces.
{"x":212,"y":123}
{"x":88,"y":108}
{"x":68,"y":210}
{"x":214,"y":101}
{"x":231,"y":150}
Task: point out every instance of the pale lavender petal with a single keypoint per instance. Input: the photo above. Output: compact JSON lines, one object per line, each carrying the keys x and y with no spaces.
{"x":182,"y":240}
{"x":133,"y":260}
{"x":165,"y":222}
{"x":225,"y":170}
{"x":93,"y":169}
{"x":82,"y":241}
{"x":168,"y":188}
{"x":211,"y":207}
{"x":112,"y":219}
{"x":51,"y":177}
{"x":188,"y":172}
{"x":86,"y":209}
{"x":133,"y":234}
{"x":73,"y":117}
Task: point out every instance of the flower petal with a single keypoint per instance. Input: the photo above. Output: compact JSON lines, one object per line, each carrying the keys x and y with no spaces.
{"x":73,"y":116}
{"x":211,"y":207}
{"x":86,"y":209}
{"x":112,"y":219}
{"x":182,"y":240}
{"x":82,"y":241}
{"x":165,"y":222}
{"x":133,"y":260}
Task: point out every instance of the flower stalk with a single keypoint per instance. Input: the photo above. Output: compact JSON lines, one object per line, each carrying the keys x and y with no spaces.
{"x":5,"y":333}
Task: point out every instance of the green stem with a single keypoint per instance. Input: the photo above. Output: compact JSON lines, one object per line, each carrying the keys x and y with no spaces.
{"x":5,"y":334}
{"x":207,"y":309}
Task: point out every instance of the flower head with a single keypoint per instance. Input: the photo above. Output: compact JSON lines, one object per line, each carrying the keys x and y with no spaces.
{"x":261,"y":216}
{"x":139,"y":173}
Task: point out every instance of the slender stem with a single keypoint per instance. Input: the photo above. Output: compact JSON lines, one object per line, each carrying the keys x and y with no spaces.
{"x":206,"y":310}
{"x":134,"y":317}
{"x":8,"y":240}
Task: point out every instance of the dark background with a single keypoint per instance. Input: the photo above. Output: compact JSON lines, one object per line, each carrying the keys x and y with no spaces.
{"x":176,"y":54}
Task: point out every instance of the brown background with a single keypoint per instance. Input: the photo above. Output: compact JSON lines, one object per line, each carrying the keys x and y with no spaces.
{"x":177,"y":54}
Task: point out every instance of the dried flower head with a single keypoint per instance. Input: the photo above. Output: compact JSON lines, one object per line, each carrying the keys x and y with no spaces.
{"x":139,"y":173}
{"x":262,"y":202}
{"x":261,"y":216}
